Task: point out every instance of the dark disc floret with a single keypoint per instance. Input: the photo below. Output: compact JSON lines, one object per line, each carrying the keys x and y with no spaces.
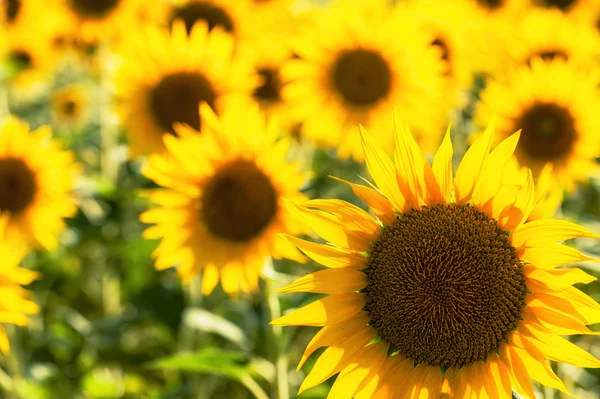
{"x":491,"y":4}
{"x":18,"y":185}
{"x":270,"y":91}
{"x":176,"y":98}
{"x":548,"y":131}
{"x":212,"y":14}
{"x":94,"y":8}
{"x":362,"y":77}
{"x":239,"y":201}
{"x":563,"y":5}
{"x":445,"y":286}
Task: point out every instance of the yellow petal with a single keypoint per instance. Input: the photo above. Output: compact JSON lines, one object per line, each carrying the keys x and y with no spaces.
{"x":369,"y":391}
{"x":425,"y":382}
{"x":552,"y":255}
{"x":396,"y":380}
{"x":442,"y":167}
{"x":375,"y":200}
{"x":4,"y":343}
{"x":358,"y":374}
{"x":536,"y":364}
{"x":557,"y":348}
{"x":331,"y":228}
{"x":382,"y":170}
{"x":334,"y":359}
{"x":462,"y":386}
{"x":517,"y":370}
{"x":558,"y":279}
{"x":337,"y":334}
{"x":329,"y":256}
{"x":548,"y":231}
{"x":519,"y":212}
{"x":500,"y":375}
{"x":351,"y":216}
{"x":482,"y":376}
{"x":331,"y":281}
{"x":329,"y":310}
{"x":471,"y":166}
{"x":492,"y":175}
{"x":556,"y":322}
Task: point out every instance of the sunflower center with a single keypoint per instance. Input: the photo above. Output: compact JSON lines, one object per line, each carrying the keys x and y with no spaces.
{"x":362,"y":77}
{"x":549,"y":55}
{"x":211,"y":13}
{"x":17,"y":185}
{"x":563,"y":5}
{"x":548,"y":131}
{"x":270,"y":91}
{"x":94,"y":8}
{"x":239,"y":201}
{"x":491,"y":4}
{"x":176,"y":99}
{"x":22,"y":58}
{"x":445,"y":287}
{"x":70,"y":108}
{"x":12,"y":8}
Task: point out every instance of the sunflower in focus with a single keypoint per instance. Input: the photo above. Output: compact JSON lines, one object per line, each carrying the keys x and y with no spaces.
{"x":36,"y":184}
{"x":166,"y":75}
{"x":558,"y":107}
{"x":449,"y":291}
{"x":103,"y":20}
{"x":355,"y":69}
{"x":70,"y":105}
{"x":222,"y":206}
{"x":549,"y":35}
{"x":15,"y":305}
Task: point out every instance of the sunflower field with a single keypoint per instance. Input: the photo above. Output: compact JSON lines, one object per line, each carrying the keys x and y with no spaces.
{"x":279,"y":199}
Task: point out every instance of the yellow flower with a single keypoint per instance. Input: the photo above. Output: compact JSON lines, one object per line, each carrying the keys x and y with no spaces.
{"x":70,"y":105}
{"x":557,"y":106}
{"x":448,"y":290}
{"x":548,"y":34}
{"x":164,"y":77}
{"x":355,"y":64}
{"x":15,"y":304}
{"x":221,"y":209}
{"x":36,"y":184}
{"x":103,"y":20}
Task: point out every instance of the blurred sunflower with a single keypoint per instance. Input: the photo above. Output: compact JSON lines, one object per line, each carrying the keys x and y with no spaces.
{"x":165,"y":76}
{"x":15,"y":305}
{"x":70,"y":105}
{"x":354,"y":69}
{"x":449,"y":23}
{"x":572,"y":7}
{"x":499,"y":8}
{"x":221,"y":209}
{"x":547,"y":34}
{"x":103,"y":20}
{"x":36,"y":184}
{"x":449,"y":291}
{"x":558,"y":107}
{"x":268,"y":56}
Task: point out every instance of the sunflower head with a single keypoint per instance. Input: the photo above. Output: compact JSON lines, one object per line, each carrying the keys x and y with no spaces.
{"x":221,"y":207}
{"x":70,"y":105}
{"x":36,"y":184}
{"x":16,"y":305}
{"x":556,"y":105}
{"x":183,"y":71}
{"x":449,"y":290}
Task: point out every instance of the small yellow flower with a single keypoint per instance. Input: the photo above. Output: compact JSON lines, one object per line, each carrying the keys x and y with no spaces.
{"x":449,"y":290}
{"x":222,"y":204}
{"x":70,"y":105}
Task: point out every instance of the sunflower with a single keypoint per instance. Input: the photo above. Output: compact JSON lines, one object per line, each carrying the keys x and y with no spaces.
{"x":449,"y":290}
{"x":103,"y":20}
{"x":352,"y":68}
{"x":449,"y":24}
{"x":576,"y":8}
{"x":557,"y":106}
{"x":70,"y":105}
{"x":165,"y":76}
{"x":15,"y":305}
{"x":36,"y":184}
{"x":547,"y":34}
{"x":221,"y":208}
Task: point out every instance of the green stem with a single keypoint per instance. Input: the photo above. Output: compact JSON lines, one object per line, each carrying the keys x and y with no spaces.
{"x":253,"y":387}
{"x":278,"y":354}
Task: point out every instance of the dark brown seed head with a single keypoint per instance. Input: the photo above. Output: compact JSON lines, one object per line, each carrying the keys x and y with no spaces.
{"x":270,"y":91}
{"x":445,"y":287}
{"x":94,"y":8}
{"x":239,"y":202}
{"x":212,"y":14}
{"x":17,"y":185}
